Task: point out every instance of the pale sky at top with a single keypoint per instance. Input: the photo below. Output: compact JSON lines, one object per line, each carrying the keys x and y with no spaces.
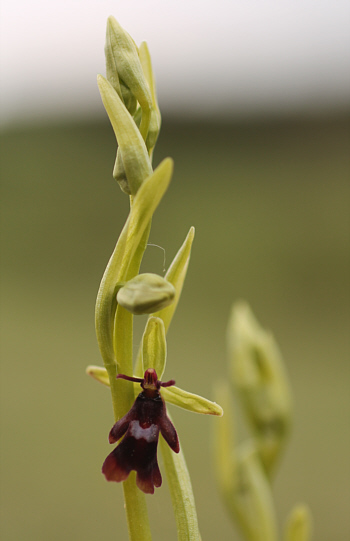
{"x":209,"y":57}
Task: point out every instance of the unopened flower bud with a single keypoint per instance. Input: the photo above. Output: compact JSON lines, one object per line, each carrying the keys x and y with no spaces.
{"x":145,"y":294}
{"x":123,"y":67}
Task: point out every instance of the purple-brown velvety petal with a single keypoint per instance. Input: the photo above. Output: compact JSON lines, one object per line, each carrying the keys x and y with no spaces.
{"x":168,"y":432}
{"x":113,"y":469}
{"x":137,"y":451}
{"x":149,"y":478}
{"x":118,"y":430}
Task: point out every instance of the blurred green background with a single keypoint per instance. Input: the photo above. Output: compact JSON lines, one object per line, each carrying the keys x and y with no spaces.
{"x":269,"y":200}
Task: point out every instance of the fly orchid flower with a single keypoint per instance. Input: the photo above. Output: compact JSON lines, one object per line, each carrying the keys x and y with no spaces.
{"x":141,"y":426}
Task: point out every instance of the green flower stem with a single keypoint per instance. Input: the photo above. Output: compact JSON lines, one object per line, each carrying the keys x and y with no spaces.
{"x":181,"y":493}
{"x":136,"y":511}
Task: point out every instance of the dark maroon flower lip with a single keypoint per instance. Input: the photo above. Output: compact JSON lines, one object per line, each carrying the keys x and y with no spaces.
{"x":140,"y":428}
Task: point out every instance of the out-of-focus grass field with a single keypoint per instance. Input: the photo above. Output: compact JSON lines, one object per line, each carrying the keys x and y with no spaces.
{"x":270,"y":204}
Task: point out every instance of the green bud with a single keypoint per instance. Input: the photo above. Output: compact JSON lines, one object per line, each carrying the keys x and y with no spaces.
{"x":258,"y":373}
{"x":299,"y":524}
{"x":154,"y":346}
{"x":119,"y":86}
{"x":145,"y":294}
{"x":123,"y":67}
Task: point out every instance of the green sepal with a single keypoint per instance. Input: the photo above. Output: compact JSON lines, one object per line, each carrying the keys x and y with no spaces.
{"x":99,"y":374}
{"x":172,"y":395}
{"x":146,"y":293}
{"x":154,"y":348}
{"x":133,"y":149}
{"x":189,"y":401}
{"x":299,"y":524}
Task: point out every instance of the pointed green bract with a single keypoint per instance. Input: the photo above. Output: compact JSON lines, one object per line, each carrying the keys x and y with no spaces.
{"x":154,"y":348}
{"x":176,"y":275}
{"x":133,"y":149}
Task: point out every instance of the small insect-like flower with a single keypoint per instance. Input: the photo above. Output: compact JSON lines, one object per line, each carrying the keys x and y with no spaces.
{"x":141,"y":425}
